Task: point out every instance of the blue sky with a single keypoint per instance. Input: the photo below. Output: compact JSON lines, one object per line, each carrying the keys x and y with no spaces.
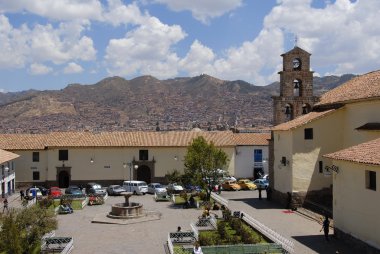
{"x":48,"y":44}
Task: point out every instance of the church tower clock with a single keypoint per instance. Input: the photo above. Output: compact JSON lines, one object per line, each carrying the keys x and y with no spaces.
{"x":296,"y":87}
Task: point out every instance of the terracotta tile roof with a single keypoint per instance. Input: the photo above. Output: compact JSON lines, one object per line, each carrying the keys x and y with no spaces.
{"x":367,"y":153}
{"x":112,"y":139}
{"x":259,"y":139}
{"x":23,"y":141}
{"x":302,"y":120}
{"x":7,"y":156}
{"x":360,"y":88}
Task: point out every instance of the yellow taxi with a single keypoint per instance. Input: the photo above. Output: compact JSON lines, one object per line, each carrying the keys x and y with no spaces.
{"x":246,"y":184}
{"x":230,"y":185}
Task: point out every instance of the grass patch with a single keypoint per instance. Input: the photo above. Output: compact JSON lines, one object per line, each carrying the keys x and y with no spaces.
{"x":234,"y":231}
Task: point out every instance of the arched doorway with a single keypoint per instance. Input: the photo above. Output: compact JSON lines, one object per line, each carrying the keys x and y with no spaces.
{"x":144,"y":174}
{"x":63,"y":179}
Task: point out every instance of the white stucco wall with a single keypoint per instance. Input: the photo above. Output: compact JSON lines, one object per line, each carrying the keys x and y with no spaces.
{"x":358,"y":114}
{"x":356,"y":208}
{"x":244,"y":162}
{"x":327,"y":137}
{"x":107,"y":162}
{"x":283,"y":143}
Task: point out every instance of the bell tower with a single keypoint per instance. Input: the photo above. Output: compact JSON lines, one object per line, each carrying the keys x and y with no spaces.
{"x":296,"y":87}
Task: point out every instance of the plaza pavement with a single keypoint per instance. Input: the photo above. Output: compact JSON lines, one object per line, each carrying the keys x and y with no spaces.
{"x":149,"y":237}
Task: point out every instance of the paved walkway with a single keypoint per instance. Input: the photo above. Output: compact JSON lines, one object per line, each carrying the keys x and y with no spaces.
{"x":149,"y":237}
{"x":303,"y":231}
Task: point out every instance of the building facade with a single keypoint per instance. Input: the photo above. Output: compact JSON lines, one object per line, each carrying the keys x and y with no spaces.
{"x":61,"y":159}
{"x":356,"y":174}
{"x":251,"y":159}
{"x":7,"y":173}
{"x":345,"y":116}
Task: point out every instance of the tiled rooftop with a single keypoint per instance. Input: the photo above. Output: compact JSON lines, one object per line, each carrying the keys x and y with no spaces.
{"x":302,"y":120}
{"x":7,"y":156}
{"x":251,"y":139}
{"x":362,"y":87}
{"x":367,"y":153}
{"x":122,"y":139}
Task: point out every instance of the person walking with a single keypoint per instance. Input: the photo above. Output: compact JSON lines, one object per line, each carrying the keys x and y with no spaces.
{"x":22,"y":195}
{"x":260,"y":198}
{"x":269,"y":193}
{"x":326,"y":227}
{"x":5,"y":203}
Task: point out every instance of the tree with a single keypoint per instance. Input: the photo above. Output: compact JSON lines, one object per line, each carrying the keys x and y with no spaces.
{"x":21,"y":230}
{"x":202,"y":163}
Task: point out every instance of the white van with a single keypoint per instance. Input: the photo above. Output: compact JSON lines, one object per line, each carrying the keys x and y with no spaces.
{"x":137,"y":187}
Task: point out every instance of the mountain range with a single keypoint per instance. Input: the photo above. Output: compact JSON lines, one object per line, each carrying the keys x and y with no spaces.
{"x":146,"y":103}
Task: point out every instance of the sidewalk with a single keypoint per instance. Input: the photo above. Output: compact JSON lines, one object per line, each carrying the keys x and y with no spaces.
{"x":302,"y":230}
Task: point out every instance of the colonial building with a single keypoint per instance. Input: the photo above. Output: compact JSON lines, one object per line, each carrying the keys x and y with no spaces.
{"x":356,"y":172}
{"x":66,"y":158}
{"x":7,"y":173}
{"x":345,"y":116}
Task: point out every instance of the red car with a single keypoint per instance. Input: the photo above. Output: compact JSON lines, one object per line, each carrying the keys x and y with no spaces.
{"x":55,"y":192}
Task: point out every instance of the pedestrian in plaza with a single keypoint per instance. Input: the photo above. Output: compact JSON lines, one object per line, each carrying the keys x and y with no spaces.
{"x":22,"y":195}
{"x":289,"y":201}
{"x":326,"y":227}
{"x":197,"y":249}
{"x":5,"y":203}
{"x":269,"y":193}
{"x":219,"y":189}
{"x":260,"y":198}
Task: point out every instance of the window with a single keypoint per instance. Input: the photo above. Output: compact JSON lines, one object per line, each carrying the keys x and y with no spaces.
{"x":36,"y":175}
{"x":309,"y":133}
{"x":36,"y":157}
{"x":143,"y":155}
{"x":258,"y":155}
{"x":320,"y":166}
{"x":63,"y":155}
{"x":370,"y":179}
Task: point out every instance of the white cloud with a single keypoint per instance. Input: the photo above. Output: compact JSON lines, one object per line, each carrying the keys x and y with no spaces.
{"x":117,"y":13}
{"x":43,"y":43}
{"x":342,"y":37}
{"x":59,"y":10}
{"x":39,"y":69}
{"x":203,"y":10}
{"x":72,"y":68}
{"x":198,"y":60}
{"x":146,"y":49}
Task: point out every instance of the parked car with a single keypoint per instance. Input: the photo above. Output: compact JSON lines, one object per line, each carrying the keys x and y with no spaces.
{"x":174,"y":188}
{"x":193,"y":188}
{"x":261,"y":183}
{"x":137,"y":187}
{"x":95,"y":188}
{"x":44,"y":191}
{"x":156,"y":188}
{"x":55,"y":192}
{"x":73,"y":190}
{"x":230,"y":185}
{"x":33,"y":192}
{"x":115,"y":190}
{"x":246,"y":184}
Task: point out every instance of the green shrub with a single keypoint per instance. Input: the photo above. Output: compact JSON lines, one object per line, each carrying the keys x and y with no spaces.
{"x":221,"y":227}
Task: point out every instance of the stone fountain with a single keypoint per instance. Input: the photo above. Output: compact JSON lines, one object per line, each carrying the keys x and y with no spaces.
{"x":126,"y":210}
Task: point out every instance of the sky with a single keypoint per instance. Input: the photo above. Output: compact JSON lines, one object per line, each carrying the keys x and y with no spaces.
{"x":48,"y":44}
